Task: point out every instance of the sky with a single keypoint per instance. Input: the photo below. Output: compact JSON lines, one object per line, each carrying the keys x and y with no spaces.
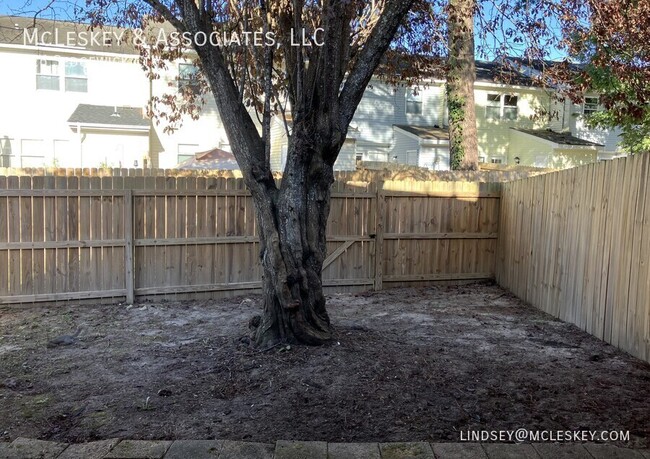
{"x":60,"y":9}
{"x":65,"y":10}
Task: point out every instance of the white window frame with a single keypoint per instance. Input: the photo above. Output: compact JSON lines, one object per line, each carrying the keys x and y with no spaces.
{"x":42,"y":64}
{"x":413,"y":97}
{"x":62,"y":73}
{"x":496,"y":100}
{"x":590,"y":107}
{"x":506,"y":107}
{"x":31,"y":156}
{"x":69,"y":78}
{"x":411,"y":157}
{"x":180,"y":151}
{"x":497,"y":159}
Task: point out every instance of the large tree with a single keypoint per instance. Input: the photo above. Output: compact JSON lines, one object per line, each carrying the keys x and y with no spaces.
{"x":614,"y":48}
{"x":461,"y":73}
{"x":319,"y":82}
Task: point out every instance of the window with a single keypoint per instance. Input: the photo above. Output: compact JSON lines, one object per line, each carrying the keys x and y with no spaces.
{"x":496,"y":160}
{"x":32,"y":153}
{"x":188,"y":77}
{"x":413,"y":102}
{"x":510,"y":107}
{"x":591,"y":105}
{"x":412,"y":157}
{"x":186,"y":151}
{"x":501,"y":106}
{"x":76,"y":77}
{"x":47,"y":75}
{"x":493,"y":107}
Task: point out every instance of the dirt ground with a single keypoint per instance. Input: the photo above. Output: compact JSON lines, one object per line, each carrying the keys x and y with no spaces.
{"x":407,"y":364}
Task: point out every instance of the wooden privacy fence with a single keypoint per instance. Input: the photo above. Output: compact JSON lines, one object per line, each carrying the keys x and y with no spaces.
{"x":81,"y":237}
{"x":576,"y":244}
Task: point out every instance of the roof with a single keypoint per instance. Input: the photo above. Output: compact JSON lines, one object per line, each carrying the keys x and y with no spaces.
{"x":497,"y":72}
{"x":560,"y":138}
{"x":425,"y":132}
{"x":109,"y":116}
{"x":18,"y":30}
{"x":215,"y":159}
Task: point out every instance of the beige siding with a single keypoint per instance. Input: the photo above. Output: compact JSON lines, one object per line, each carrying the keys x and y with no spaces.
{"x":494,"y":135}
{"x":530,"y":150}
{"x":536,"y":152}
{"x":563,"y":158}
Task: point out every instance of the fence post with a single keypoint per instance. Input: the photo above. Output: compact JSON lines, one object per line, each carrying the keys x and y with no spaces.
{"x":128,"y":248}
{"x":380,"y":217}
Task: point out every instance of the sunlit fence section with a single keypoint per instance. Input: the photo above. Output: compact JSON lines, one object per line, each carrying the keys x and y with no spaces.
{"x":576,"y":244}
{"x":124,"y":238}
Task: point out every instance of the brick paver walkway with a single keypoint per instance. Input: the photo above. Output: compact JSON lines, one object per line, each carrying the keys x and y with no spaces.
{"x":24,"y":448}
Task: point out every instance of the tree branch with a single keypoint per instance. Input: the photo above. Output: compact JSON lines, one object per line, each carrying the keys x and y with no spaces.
{"x":166,"y":14}
{"x":370,"y":57}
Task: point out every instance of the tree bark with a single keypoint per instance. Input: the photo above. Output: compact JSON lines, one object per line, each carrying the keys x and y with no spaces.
{"x":463,"y":143}
{"x":292,"y":219}
{"x":293,"y":248}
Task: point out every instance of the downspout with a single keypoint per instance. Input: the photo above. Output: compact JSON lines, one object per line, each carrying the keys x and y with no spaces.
{"x":151,"y":129}
{"x":80,"y":139}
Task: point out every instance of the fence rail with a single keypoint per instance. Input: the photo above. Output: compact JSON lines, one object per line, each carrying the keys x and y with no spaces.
{"x":576,"y":244}
{"x":132,"y":237}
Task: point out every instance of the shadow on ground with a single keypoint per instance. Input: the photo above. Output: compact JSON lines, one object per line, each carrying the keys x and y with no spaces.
{"x":407,"y":365}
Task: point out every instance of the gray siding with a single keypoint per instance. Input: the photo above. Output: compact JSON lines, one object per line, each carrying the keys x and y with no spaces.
{"x":433,"y":106}
{"x":346,"y":160}
{"x":403,"y":144}
{"x":375,"y":114}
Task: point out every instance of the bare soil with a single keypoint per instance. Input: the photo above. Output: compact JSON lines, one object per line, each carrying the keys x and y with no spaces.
{"x":407,"y":364}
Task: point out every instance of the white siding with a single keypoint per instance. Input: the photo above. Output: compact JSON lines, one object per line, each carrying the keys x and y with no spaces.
{"x":403,"y":144}
{"x":375,"y":115}
{"x":346,"y":160}
{"x":113,"y":149}
{"x":433,"y":102}
{"x":607,"y":137}
{"x":436,"y":158}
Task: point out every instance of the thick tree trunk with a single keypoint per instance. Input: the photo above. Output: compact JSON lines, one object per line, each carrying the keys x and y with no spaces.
{"x":463,"y":144}
{"x":293,"y":247}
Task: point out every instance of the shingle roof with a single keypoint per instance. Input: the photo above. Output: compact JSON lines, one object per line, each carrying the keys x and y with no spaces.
{"x":425,"y":132}
{"x":109,"y":115}
{"x":216,"y":159}
{"x":18,"y":30}
{"x":560,"y":138}
{"x":497,"y":72}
